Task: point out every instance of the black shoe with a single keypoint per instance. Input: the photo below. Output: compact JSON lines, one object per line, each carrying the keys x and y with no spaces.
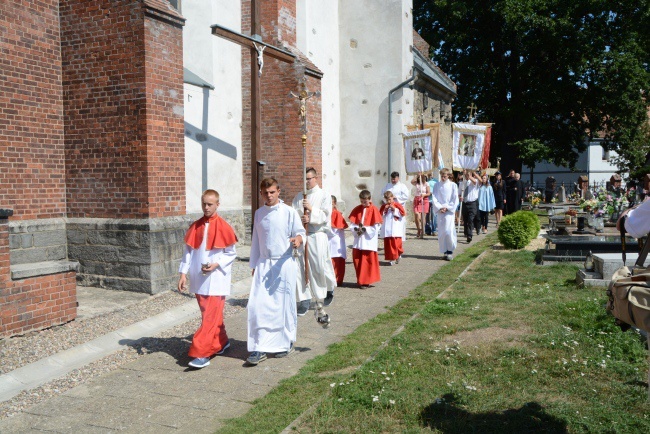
{"x":303,"y":307}
{"x":469,"y":240}
{"x":329,"y":298}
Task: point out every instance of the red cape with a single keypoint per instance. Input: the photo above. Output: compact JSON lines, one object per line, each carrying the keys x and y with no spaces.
{"x":338,"y":222}
{"x":220,"y":233}
{"x":397,"y":205}
{"x":372,"y":215}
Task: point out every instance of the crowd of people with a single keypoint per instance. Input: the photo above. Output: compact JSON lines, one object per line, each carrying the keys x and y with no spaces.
{"x":298,"y":251}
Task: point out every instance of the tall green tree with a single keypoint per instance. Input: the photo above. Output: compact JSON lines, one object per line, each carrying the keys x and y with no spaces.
{"x":549,"y":73}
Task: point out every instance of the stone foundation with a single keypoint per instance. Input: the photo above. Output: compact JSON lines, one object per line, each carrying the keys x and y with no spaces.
{"x":140,"y":255}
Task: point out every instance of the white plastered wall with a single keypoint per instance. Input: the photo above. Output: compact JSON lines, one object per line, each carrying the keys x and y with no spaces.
{"x":375,"y":40}
{"x":317,"y":33}
{"x":213,"y":117}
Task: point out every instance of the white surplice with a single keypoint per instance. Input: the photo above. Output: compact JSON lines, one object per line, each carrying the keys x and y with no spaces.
{"x":338,"y":249}
{"x":401,"y":193}
{"x":368,"y":240}
{"x":445,"y":195}
{"x":216,"y":282}
{"x":393,"y":225}
{"x":272,"y":317}
{"x":321,"y":271}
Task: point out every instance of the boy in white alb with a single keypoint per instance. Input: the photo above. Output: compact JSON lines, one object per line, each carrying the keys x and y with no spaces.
{"x":272,"y":316}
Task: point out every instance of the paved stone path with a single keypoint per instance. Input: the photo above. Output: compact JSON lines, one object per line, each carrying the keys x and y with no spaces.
{"x":158,"y":393}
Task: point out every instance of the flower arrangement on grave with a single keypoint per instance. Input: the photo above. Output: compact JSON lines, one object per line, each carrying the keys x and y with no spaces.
{"x":571,"y":212}
{"x":609,"y":204}
{"x":534,"y":198}
{"x":574,"y":197}
{"x":588,"y":205}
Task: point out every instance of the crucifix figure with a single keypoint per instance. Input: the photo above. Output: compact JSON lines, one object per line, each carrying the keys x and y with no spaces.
{"x":258,"y":50}
{"x":303,"y":95}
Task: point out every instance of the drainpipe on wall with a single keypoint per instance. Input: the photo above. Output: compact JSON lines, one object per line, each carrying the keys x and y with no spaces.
{"x":390,"y":112}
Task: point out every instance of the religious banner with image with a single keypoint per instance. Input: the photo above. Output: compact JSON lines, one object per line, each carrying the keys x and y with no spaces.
{"x":417,"y":151}
{"x":468,"y":145}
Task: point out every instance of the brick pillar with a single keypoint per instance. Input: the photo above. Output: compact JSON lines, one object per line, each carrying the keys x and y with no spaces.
{"x":123,"y":106}
{"x":124,"y":139}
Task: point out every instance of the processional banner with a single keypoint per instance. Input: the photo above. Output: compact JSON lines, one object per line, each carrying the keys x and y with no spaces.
{"x":417,"y":152}
{"x":468,"y":145}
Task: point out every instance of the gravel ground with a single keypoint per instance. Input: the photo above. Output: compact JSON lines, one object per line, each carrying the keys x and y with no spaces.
{"x":19,"y":351}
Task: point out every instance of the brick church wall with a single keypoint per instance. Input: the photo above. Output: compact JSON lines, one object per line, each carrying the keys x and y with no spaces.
{"x":32,"y":167}
{"x":35,"y":302}
{"x":123,"y":98}
{"x":281,"y":135}
{"x":32,"y":164}
{"x":421,"y":45}
{"x":124,"y":126}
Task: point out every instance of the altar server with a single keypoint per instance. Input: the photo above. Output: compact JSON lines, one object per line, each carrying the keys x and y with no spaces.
{"x":272,"y":317}
{"x":445,"y":201}
{"x":209,"y":254}
{"x":365,"y":222}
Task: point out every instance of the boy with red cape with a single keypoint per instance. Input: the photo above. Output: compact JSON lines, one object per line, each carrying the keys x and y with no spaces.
{"x":209,"y":254}
{"x":338,"y":249}
{"x":392,"y":230}
{"x":365,"y":221}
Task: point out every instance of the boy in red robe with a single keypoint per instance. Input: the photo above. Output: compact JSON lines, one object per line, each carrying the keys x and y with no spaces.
{"x":209,"y":254}
{"x":338,"y":249}
{"x":365,"y":221}
{"x":393,"y":229}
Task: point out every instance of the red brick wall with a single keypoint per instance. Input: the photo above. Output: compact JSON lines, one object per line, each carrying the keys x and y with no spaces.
{"x":34,"y":303}
{"x":122,"y":134}
{"x":32,"y":157}
{"x":421,"y":44}
{"x":281,"y":136}
{"x":164,"y":118}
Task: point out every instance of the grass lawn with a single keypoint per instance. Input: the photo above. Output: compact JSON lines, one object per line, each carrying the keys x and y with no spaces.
{"x":510,"y":347}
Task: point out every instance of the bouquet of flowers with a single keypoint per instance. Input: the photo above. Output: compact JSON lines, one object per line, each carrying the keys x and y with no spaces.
{"x":534,"y":197}
{"x":588,"y":205}
{"x":574,"y":197}
{"x":609,"y":204}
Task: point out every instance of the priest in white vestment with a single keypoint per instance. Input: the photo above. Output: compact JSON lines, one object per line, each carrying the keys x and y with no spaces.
{"x":445,"y":201}
{"x":322,"y":279}
{"x":272,"y":319}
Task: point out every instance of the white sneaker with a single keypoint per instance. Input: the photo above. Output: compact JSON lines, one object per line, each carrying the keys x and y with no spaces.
{"x":450,"y":257}
{"x":398,"y":258}
{"x":392,"y":263}
{"x":200,"y":362}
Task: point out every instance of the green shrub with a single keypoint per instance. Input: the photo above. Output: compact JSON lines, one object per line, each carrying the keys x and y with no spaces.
{"x":532,"y":222}
{"x":516,"y":230}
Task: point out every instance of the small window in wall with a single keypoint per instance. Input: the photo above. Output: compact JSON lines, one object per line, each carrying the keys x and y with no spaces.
{"x":605,"y":154}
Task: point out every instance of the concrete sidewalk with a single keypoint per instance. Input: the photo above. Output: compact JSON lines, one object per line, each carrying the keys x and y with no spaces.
{"x":158,"y":393}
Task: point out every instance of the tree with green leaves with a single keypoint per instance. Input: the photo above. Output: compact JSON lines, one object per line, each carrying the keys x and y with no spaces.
{"x":550,"y":74}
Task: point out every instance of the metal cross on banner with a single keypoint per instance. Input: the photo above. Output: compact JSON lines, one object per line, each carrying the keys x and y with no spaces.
{"x":258,"y":50}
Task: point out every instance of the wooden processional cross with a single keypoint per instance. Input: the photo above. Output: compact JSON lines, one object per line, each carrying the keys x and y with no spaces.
{"x":258,"y":49}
